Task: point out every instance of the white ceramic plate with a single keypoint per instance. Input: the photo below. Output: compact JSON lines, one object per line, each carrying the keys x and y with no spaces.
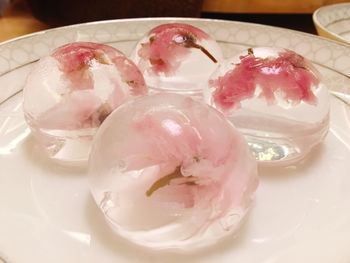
{"x":301,"y":214}
{"x":333,"y":21}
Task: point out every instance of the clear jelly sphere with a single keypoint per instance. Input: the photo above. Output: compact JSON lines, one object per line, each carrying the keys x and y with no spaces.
{"x":276,"y":98}
{"x":70,"y":92}
{"x":169,"y":172}
{"x":177,"y":58}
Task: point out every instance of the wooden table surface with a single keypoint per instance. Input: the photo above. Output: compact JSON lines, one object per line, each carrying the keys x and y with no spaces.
{"x":18,"y":21}
{"x":267,"y":6}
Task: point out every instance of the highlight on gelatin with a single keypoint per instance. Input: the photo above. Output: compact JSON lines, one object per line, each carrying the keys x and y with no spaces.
{"x":70,"y":92}
{"x":169,"y":172}
{"x":177,"y":56}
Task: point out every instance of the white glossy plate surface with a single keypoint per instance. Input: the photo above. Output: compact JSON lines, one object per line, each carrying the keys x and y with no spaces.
{"x":301,"y":214}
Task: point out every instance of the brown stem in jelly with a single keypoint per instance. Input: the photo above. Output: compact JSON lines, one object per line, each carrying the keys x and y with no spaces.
{"x":206,"y":52}
{"x":165,"y":180}
{"x":190,"y":42}
{"x":250,"y":51}
{"x":103,"y":111}
{"x":101,"y":58}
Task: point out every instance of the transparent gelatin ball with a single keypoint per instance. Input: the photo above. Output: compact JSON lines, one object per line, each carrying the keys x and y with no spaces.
{"x":169,"y":172}
{"x":70,"y":92}
{"x":177,"y":58}
{"x":276,"y":98}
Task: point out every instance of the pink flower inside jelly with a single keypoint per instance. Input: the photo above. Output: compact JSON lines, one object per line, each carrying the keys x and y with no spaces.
{"x":177,"y":56}
{"x":69,"y":93}
{"x":276,"y":98}
{"x":77,"y":58}
{"x":169,"y":44}
{"x":171,"y":172}
{"x":285,"y":75}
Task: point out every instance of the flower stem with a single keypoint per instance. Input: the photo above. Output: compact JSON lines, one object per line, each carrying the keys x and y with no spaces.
{"x":206,"y":52}
{"x":164,"y":181}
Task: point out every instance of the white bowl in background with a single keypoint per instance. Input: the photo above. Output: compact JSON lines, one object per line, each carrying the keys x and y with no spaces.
{"x":333,"y":21}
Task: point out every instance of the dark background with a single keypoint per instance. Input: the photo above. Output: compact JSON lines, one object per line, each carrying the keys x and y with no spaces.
{"x":65,"y":12}
{"x":301,"y":22}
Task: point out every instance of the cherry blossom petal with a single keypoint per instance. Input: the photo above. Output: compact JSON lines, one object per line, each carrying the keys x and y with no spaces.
{"x":288,"y":74}
{"x":171,"y":172}
{"x":69,"y":93}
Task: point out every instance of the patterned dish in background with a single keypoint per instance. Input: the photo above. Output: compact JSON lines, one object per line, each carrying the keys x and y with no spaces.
{"x":333,"y":21}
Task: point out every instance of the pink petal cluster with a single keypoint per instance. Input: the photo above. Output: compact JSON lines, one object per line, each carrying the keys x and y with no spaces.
{"x":79,"y":104}
{"x":289,"y":74}
{"x":165,"y":48}
{"x":77,"y":111}
{"x":205,"y":170}
{"x":76,"y":58}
